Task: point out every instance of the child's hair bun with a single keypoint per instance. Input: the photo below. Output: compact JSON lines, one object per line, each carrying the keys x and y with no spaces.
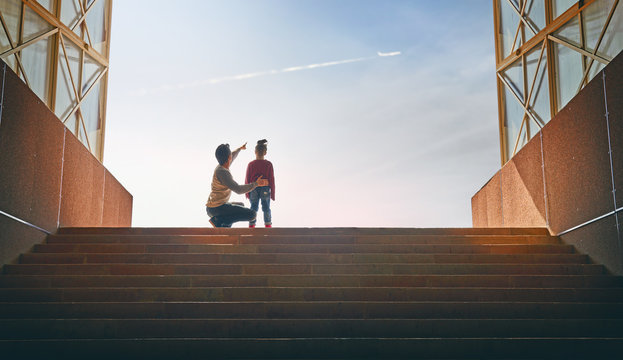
{"x":262,"y":142}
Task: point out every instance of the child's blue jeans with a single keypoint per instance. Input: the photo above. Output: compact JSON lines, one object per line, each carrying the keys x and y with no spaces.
{"x":261,"y":194}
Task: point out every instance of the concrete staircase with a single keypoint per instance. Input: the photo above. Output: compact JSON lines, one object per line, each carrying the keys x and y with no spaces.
{"x":308,"y":293}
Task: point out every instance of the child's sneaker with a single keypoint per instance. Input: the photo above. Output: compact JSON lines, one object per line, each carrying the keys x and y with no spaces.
{"x":252,"y":226}
{"x":268,"y":225}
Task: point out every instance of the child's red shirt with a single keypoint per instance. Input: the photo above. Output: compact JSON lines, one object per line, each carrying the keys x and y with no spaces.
{"x":263,"y":168}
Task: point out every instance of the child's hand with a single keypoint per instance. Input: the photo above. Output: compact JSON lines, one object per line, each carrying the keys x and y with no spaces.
{"x":261,"y":182}
{"x":243,"y":147}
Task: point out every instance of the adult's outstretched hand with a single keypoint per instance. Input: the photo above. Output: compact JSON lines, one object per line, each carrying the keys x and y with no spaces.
{"x":261,"y":182}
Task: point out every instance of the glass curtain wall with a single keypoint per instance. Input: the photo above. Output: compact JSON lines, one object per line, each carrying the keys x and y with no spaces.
{"x":546,"y":52}
{"x":59,"y":48}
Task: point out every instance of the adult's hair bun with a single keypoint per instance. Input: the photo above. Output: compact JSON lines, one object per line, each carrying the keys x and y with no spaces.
{"x":261,"y":142}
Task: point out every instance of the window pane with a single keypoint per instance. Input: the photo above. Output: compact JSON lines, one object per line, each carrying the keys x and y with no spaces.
{"x":35,"y":59}
{"x":11,"y":11}
{"x":91,"y":108}
{"x":595,"y":69}
{"x":569,"y":73}
{"x":594,"y":18}
{"x":570,"y":32}
{"x":47,"y":4}
{"x":514,"y":75}
{"x":612,"y":44}
{"x":65,"y":97}
{"x":513,"y":115}
{"x":34,"y":25}
{"x":524,"y":138}
{"x":539,"y":101}
{"x":535,"y":10}
{"x":508,"y":27}
{"x":82,"y":134}
{"x":70,"y":13}
{"x":560,"y":6}
{"x":4,"y":41}
{"x":72,"y":123}
{"x":97,"y":20}
{"x":73,"y":55}
{"x":12,"y":62}
{"x":90,"y":72}
{"x":64,"y":93}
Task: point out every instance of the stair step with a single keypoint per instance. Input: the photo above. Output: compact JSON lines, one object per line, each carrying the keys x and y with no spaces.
{"x":312,"y":310}
{"x":220,"y":294}
{"x":496,"y":281}
{"x":16,"y":329}
{"x":306,"y":248}
{"x":304,"y":231}
{"x":301,"y":269}
{"x":307,"y":239}
{"x":129,"y":258}
{"x":316,"y":348}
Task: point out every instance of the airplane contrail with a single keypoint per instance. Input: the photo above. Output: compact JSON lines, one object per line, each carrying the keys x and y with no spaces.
{"x":284,"y":70}
{"x":260,"y":73}
{"x":394,"y":53}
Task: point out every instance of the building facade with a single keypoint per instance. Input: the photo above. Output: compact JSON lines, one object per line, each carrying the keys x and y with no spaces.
{"x":54,"y":66}
{"x":560,"y":97}
{"x":546,"y":52}
{"x":60,"y":49}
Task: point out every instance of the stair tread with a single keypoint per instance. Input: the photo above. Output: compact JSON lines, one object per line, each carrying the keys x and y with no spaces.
{"x":354,"y":280}
{"x":308,"y":248}
{"x":281,"y":258}
{"x":244,"y":269}
{"x":304,"y":231}
{"x":307,"y":239}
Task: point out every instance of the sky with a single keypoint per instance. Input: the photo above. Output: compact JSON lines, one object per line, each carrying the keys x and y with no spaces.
{"x":377,"y":113}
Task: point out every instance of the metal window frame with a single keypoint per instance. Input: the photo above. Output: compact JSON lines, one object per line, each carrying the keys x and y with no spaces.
{"x":546,"y":37}
{"x":59,"y":36}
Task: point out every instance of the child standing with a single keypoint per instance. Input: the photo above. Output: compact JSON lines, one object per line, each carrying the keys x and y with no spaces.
{"x":261,"y":168}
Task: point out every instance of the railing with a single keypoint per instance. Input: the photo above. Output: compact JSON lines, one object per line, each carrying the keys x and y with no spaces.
{"x":24,"y":222}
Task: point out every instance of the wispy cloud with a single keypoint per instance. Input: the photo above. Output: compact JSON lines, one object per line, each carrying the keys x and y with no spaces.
{"x":166,"y":88}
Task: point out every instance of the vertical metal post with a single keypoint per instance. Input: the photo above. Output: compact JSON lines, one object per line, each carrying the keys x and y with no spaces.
{"x":614,"y":194}
{"x":2,"y":95}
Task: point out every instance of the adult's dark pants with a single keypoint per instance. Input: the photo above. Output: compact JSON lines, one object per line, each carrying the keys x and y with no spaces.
{"x":227,"y":214}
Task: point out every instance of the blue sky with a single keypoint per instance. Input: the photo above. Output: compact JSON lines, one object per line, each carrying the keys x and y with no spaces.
{"x":392,"y":141}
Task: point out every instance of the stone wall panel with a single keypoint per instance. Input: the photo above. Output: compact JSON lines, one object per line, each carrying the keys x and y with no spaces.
{"x":82,"y":202}
{"x":522,"y":188}
{"x":31,"y":150}
{"x":577,"y":166}
{"x":117,"y":203}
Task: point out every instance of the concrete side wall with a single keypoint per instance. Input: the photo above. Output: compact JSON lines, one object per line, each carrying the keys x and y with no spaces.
{"x":564,"y":177}
{"x":47,"y":177}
